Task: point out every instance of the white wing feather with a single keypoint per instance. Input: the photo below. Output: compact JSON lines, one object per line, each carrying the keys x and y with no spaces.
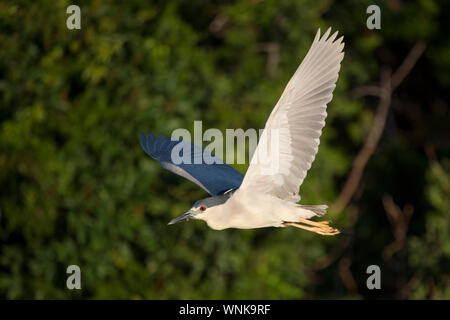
{"x":290,"y":140}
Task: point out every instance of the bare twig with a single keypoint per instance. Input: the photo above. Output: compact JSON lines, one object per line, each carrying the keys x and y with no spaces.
{"x":218,"y":25}
{"x":410,"y":286}
{"x":273,"y":56}
{"x":430,"y":151}
{"x":399,"y":220}
{"x":346,"y":274}
{"x":370,"y":90}
{"x":407,"y":65}
{"x":369,"y":146}
{"x":399,"y":75}
{"x":384,"y":91}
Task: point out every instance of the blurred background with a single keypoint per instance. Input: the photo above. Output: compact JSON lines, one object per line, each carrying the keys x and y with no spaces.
{"x":76,"y":187}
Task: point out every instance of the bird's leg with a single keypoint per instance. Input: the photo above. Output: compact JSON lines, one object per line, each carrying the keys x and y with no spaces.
{"x":322,"y":225}
{"x":318,"y":224}
{"x":319,"y":228}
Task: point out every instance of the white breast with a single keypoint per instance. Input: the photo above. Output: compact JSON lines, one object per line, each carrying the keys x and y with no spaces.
{"x":248,"y":211}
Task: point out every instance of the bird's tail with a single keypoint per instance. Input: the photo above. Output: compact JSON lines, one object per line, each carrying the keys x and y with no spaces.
{"x":318,"y":210}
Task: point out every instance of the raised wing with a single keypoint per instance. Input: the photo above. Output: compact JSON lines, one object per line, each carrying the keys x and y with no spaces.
{"x":290,"y":139}
{"x":193,"y":163}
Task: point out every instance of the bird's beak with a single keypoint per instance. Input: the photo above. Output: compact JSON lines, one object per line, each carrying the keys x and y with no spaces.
{"x":184,"y":217}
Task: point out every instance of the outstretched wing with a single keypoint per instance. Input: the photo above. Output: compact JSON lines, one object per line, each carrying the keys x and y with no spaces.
{"x":290,"y":139}
{"x":193,"y":163}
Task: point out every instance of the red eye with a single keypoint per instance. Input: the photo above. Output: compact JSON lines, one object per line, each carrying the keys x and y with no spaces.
{"x":202,"y":208}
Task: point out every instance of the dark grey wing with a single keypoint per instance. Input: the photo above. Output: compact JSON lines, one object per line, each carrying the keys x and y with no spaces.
{"x":185,"y":159}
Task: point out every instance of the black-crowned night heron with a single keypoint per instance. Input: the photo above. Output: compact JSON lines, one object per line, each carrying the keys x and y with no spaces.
{"x":265,"y":198}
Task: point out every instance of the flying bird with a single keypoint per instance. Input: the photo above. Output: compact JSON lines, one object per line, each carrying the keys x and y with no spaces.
{"x":263,"y":197}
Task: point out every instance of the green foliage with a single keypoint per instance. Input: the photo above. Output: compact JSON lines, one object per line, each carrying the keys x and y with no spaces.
{"x":430,"y":254}
{"x":78,"y":189}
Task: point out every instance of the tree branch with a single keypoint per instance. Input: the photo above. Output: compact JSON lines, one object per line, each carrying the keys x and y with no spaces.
{"x":384,"y":91}
{"x":399,"y":220}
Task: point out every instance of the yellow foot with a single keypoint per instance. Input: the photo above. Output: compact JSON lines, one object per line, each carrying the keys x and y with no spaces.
{"x":318,"y":224}
{"x":317,"y":227}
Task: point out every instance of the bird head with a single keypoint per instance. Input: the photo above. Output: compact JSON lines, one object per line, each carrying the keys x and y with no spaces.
{"x":203,"y":208}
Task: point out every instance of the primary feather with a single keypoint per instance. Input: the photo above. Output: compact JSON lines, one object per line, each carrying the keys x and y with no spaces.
{"x":211,"y":174}
{"x":296,"y":123}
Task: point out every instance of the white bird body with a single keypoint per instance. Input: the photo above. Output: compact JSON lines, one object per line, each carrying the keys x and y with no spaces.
{"x":248,"y":210}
